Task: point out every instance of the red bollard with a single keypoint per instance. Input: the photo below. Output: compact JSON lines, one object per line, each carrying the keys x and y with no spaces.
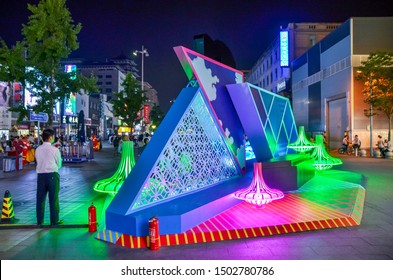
{"x":154,"y":234}
{"x":92,"y":218}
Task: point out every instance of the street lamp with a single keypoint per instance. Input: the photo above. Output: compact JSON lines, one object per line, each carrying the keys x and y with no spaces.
{"x":144,"y":53}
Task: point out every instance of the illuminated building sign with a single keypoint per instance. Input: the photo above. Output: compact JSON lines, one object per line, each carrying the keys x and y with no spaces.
{"x":146,"y":114}
{"x":70,"y":102}
{"x":70,"y":107}
{"x":69,"y":68}
{"x":281,"y":86}
{"x":70,"y":119}
{"x":284,"y":49}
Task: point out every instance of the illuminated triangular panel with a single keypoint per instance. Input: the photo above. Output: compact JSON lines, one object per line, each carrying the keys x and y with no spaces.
{"x":195,"y":157}
{"x":267,"y":120}
{"x":187,"y":154}
{"x":212,"y":77}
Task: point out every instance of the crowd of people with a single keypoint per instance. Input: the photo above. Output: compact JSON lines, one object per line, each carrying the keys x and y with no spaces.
{"x":140,"y":141}
{"x":383,"y":146}
{"x":23,"y":145}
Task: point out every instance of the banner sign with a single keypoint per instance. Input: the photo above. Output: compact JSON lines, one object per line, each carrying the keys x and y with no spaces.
{"x":146,"y":114}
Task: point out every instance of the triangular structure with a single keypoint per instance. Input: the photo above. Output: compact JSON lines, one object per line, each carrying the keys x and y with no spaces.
{"x":212,"y":77}
{"x":267,"y":119}
{"x":188,"y":153}
{"x":193,"y":164}
{"x":194,"y":157}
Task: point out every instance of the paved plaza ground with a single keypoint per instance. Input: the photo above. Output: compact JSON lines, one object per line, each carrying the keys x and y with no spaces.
{"x":372,"y":240}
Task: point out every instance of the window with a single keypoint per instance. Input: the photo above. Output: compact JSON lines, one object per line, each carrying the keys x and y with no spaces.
{"x":313,"y":40}
{"x":108,"y":90}
{"x":108,"y":76}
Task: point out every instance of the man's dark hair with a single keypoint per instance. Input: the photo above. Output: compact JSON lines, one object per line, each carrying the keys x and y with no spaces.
{"x":47,"y":133}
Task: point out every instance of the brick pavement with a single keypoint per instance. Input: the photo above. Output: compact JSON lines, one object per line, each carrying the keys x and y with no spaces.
{"x":371,"y":240}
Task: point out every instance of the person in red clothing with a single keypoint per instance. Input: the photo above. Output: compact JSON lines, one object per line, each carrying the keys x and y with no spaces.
{"x":17,"y":144}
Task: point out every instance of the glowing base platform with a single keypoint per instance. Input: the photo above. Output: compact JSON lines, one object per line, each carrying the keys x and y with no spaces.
{"x":329,"y":200}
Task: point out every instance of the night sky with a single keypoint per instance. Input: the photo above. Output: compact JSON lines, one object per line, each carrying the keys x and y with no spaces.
{"x":114,"y":27}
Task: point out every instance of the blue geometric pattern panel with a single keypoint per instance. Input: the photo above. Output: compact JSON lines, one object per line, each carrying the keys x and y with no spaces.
{"x":212,"y":77}
{"x":195,"y":157}
{"x":267,"y":120}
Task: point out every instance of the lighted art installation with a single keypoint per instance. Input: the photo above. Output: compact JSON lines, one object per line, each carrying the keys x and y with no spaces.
{"x":322,"y":160}
{"x":258,"y":193}
{"x":249,"y":151}
{"x":212,"y":77}
{"x":200,"y":144}
{"x":267,"y":119}
{"x":186,"y":161}
{"x":302,"y":144}
{"x":127,"y":162}
{"x":192,"y":175}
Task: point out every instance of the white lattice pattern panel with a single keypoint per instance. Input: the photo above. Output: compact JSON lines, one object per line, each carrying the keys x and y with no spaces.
{"x":195,"y":157}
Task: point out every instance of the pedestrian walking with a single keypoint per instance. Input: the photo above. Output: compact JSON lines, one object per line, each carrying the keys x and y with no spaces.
{"x":381,"y":145}
{"x":49,"y":161}
{"x":115,"y":143}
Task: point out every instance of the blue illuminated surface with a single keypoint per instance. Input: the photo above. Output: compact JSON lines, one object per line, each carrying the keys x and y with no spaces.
{"x":284,"y":49}
{"x":195,"y":157}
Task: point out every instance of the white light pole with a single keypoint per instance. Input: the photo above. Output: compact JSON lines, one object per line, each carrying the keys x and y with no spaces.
{"x":144,"y":53}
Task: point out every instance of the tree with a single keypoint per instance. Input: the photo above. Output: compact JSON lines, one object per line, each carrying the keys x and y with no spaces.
{"x":50,"y":36}
{"x":377,"y":74}
{"x":12,"y":64}
{"x":156,"y":116}
{"x":128,"y":102}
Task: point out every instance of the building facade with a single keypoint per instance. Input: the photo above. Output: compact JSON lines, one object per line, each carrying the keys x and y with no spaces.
{"x":325,"y":93}
{"x":268,"y":73}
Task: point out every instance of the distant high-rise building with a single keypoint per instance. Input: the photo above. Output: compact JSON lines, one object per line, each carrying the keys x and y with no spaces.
{"x":269,"y":72}
{"x":214,"y":49}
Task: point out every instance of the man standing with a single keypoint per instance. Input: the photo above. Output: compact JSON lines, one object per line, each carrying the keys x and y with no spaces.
{"x":49,"y":161}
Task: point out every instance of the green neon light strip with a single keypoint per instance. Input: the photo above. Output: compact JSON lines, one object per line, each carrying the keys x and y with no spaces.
{"x":302,"y":144}
{"x":127,"y":162}
{"x":322,"y":160}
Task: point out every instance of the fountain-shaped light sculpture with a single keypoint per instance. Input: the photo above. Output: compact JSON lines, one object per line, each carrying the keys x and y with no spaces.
{"x":322,"y":160}
{"x":127,"y":162}
{"x":302,"y":144}
{"x":258,"y":193}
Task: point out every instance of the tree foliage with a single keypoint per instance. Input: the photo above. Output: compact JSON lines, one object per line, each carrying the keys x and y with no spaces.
{"x":49,"y":37}
{"x":12,"y":62}
{"x":377,"y":74}
{"x":128,"y":102}
{"x":156,"y":116}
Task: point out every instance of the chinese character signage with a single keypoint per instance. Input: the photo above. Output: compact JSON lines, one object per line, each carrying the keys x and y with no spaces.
{"x":146,"y":114}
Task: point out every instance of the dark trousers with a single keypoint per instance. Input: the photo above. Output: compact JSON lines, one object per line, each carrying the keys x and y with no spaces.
{"x":48,"y":183}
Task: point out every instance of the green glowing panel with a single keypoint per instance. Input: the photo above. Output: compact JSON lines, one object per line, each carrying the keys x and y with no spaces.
{"x":267,"y":120}
{"x":322,"y":160}
{"x":302,"y":144}
{"x":127,"y":162}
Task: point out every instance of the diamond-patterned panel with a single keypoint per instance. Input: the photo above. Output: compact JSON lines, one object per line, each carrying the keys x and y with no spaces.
{"x":195,"y":157}
{"x":274,"y":114}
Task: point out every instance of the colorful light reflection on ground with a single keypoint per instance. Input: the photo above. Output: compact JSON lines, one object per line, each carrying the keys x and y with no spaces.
{"x":328,"y":200}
